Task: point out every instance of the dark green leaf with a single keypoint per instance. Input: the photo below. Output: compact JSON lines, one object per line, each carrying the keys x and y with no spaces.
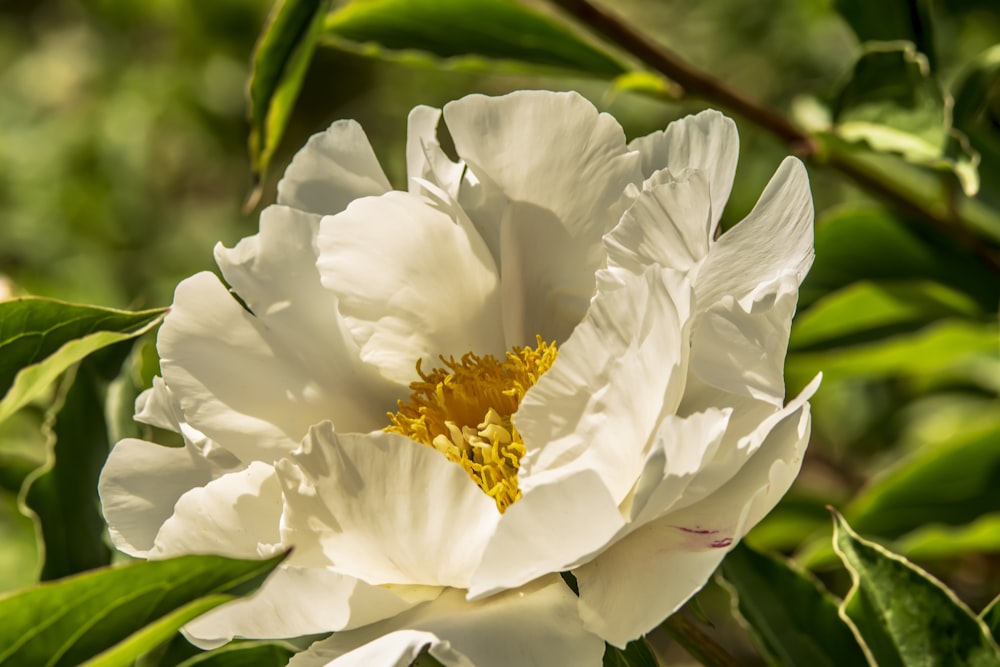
{"x":493,"y":29}
{"x":872,"y":244}
{"x":278,"y":67}
{"x":249,"y":654}
{"x":794,"y":621}
{"x":950,"y":482}
{"x":977,"y":115}
{"x":635,"y":654}
{"x":903,"y":615}
{"x":68,"y":621}
{"x":63,"y":493}
{"x":893,"y":104}
{"x":40,"y":338}
{"x":891,"y":20}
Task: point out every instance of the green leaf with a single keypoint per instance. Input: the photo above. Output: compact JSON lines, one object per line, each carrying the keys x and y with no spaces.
{"x":893,"y":104}
{"x":938,"y":542}
{"x":69,"y":621}
{"x":40,"y":338}
{"x":977,"y":115}
{"x":793,"y":619}
{"x":933,"y":350}
{"x":991,"y":617}
{"x":635,"y":654}
{"x":277,"y":69}
{"x":903,"y":615}
{"x":951,"y":482}
{"x":872,"y":244}
{"x":492,"y":29}
{"x":868,"y":310}
{"x":19,"y":550}
{"x":62,"y":494}
{"x":244,"y":654}
{"x":891,"y":20}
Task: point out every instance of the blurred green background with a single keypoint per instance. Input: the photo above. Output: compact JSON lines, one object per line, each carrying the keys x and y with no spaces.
{"x":123,"y":161}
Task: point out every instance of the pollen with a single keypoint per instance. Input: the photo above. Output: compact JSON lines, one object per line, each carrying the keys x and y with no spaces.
{"x":465,"y":411}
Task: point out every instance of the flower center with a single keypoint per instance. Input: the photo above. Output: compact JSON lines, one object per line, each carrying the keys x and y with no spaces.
{"x":465,"y":411}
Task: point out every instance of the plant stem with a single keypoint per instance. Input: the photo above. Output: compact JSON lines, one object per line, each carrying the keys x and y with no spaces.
{"x":960,"y":219}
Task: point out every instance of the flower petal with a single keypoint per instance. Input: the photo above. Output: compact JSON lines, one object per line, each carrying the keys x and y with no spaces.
{"x":334,"y":168}
{"x":412,"y":282}
{"x":650,"y":573}
{"x":552,"y":528}
{"x":551,"y":169}
{"x":707,"y":141}
{"x":207,"y":374}
{"x":668,"y":224}
{"x":425,"y":159}
{"x":536,"y":626}
{"x":140,"y":485}
{"x":296,"y":601}
{"x":775,"y":238}
{"x":385,"y":509}
{"x":274,"y":272}
{"x":740,"y":346}
{"x":235,"y":515}
{"x":623,"y":367}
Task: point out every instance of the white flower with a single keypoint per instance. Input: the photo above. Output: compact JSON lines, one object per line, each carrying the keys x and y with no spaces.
{"x":599,"y":388}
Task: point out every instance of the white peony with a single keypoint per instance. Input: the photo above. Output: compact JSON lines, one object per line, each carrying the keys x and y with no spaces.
{"x":599,"y":388}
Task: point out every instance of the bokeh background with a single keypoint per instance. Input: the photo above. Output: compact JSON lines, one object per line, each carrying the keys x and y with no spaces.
{"x":123,"y":161}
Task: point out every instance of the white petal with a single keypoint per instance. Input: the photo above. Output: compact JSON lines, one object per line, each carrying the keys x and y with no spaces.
{"x":550,"y":529}
{"x":412,"y":282}
{"x":425,"y":160}
{"x":707,"y":141}
{"x":296,"y":601}
{"x":274,"y":273}
{"x":649,"y":574}
{"x":235,"y":515}
{"x":207,"y":373}
{"x":536,"y":626}
{"x":740,"y":347}
{"x":622,"y":368}
{"x":334,"y":168}
{"x":385,"y":509}
{"x":552,"y":169}
{"x":157,"y":407}
{"x":668,"y":224}
{"x":775,"y":238}
{"x":679,"y":452}
{"x":140,"y":484}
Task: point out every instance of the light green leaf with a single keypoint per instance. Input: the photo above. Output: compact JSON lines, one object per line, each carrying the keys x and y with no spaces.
{"x":19,"y":550}
{"x":938,"y":542}
{"x":793,"y":619}
{"x":243,"y":654}
{"x":635,"y":654}
{"x":893,"y":104}
{"x":69,"y":621}
{"x":156,"y":633}
{"x":493,"y":29}
{"x":40,"y":338}
{"x":903,"y":615}
{"x":932,"y":350}
{"x":277,"y":68}
{"x":867,"y":310}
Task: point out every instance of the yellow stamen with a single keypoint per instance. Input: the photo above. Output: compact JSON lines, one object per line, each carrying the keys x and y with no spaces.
{"x":465,"y":411}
